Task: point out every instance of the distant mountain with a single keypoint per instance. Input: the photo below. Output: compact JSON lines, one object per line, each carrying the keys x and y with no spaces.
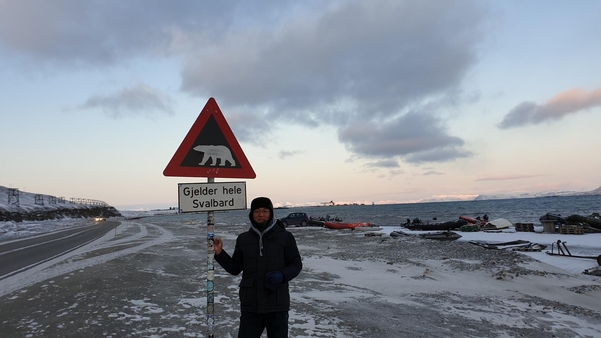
{"x":592,"y":192}
{"x":538,"y":194}
{"x":447,"y":198}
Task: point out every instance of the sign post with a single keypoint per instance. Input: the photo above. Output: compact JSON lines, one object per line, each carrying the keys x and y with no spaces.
{"x":210,"y":270}
{"x":210,"y":150}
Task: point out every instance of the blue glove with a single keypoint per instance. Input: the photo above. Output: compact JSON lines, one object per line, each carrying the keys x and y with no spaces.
{"x":274,"y":277}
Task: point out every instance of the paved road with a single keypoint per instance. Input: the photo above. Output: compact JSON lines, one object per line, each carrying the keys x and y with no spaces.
{"x":19,"y":255}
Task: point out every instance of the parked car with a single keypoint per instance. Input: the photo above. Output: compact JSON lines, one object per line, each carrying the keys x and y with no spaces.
{"x":296,"y":218}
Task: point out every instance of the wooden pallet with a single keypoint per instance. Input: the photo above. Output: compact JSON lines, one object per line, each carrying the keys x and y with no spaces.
{"x":571,"y":230}
{"x":524,"y":227}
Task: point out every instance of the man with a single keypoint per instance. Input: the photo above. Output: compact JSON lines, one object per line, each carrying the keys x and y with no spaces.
{"x":268,"y":258}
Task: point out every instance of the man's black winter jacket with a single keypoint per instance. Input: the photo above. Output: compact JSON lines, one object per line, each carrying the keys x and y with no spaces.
{"x":280,"y":253}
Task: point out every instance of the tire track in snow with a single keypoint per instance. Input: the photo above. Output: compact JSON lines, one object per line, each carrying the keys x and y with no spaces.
{"x":73,"y":260}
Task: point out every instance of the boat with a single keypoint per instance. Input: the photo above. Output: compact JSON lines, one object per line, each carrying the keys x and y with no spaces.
{"x":477,"y":220}
{"x":398,"y":234}
{"x":593,"y":221}
{"x":468,"y":219}
{"x":469,"y":228}
{"x":497,"y":224}
{"x":553,"y":217}
{"x":416,"y":224}
{"x":343,"y":225}
{"x":442,"y":236}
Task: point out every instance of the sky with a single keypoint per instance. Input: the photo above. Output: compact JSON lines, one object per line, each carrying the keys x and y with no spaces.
{"x":382,"y":101}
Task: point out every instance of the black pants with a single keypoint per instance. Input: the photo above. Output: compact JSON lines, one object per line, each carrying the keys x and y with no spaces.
{"x":252,"y":325}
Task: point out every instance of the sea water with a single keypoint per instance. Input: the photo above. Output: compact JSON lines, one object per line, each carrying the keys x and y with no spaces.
{"x":526,"y":210}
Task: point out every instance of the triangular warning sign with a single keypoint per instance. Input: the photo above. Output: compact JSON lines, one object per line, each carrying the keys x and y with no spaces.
{"x":210,"y":149}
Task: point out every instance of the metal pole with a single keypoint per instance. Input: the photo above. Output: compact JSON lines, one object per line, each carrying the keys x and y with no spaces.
{"x":559,"y":247}
{"x":565,"y":247}
{"x":210,"y":270}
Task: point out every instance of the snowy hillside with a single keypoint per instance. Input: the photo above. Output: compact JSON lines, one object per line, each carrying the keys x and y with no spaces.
{"x":539,"y":194}
{"x":18,"y":205}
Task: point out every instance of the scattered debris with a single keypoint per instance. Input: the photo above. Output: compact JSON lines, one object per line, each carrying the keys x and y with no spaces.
{"x":518,"y":245}
{"x":565,"y":252}
{"x":593,"y":272}
{"x":370,"y":234}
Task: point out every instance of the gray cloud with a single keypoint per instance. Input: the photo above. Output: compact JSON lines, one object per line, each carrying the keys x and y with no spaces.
{"x":416,"y":137}
{"x":364,"y":57}
{"x":139,"y":100}
{"x":251,"y":128}
{"x":505,"y":177}
{"x":569,"y":102}
{"x":340,"y":63}
{"x":349,"y":64}
{"x":441,"y":154}
{"x":284,"y":154}
{"x":432,"y":172}
{"x":103,"y":32}
{"x":383,"y":164}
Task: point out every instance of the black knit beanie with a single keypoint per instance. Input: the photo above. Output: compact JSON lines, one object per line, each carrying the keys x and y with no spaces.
{"x":261,"y":202}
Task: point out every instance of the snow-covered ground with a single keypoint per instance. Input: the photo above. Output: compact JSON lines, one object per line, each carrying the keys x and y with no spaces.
{"x":582,"y":245}
{"x":146,"y":279}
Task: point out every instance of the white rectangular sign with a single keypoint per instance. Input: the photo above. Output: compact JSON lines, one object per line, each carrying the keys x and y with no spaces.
{"x":217,"y":196}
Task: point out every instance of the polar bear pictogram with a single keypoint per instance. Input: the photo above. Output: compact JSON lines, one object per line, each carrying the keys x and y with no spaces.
{"x":219,"y":154}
